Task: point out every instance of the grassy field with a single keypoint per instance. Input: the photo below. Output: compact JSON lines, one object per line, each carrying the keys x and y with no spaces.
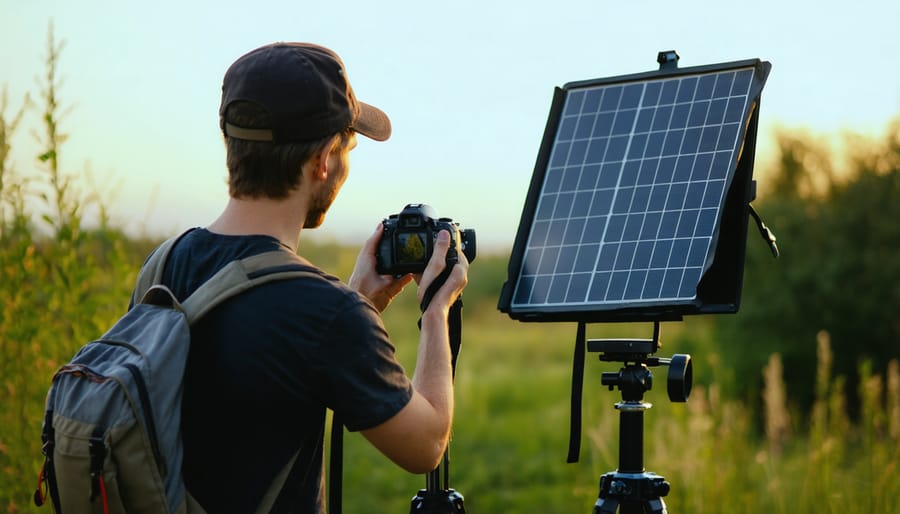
{"x":513,"y":381}
{"x":720,"y":455}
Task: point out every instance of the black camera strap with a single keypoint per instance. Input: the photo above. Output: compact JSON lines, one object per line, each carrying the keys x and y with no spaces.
{"x":336,"y":465}
{"x":454,"y":318}
{"x":433,"y":289}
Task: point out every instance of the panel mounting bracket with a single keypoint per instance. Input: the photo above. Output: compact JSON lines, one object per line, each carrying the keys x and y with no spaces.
{"x":668,"y":59}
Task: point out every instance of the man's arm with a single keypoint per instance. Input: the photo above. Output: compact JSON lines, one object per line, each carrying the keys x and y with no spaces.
{"x":415,"y":438}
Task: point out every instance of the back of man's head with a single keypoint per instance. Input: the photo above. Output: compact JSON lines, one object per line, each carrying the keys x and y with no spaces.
{"x":280,"y":104}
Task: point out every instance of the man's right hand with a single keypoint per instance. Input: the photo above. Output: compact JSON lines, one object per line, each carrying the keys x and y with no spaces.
{"x":455,"y":281}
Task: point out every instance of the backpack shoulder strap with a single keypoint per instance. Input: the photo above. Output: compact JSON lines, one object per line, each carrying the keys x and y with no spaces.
{"x":240,"y":275}
{"x":152,"y":271}
{"x":236,"y":277}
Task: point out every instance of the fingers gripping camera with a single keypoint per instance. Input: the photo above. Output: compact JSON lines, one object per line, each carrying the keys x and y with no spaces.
{"x":408,"y":240}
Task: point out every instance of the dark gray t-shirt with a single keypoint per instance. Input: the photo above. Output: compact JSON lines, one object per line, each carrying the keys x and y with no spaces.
{"x":263,"y":368}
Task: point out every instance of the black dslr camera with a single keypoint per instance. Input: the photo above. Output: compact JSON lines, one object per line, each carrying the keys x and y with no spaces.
{"x":408,"y":240}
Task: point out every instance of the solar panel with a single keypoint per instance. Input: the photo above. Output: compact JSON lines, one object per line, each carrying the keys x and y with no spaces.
{"x":627,"y":200}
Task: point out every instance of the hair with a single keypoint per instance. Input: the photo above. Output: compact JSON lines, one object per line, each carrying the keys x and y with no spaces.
{"x":263,"y":169}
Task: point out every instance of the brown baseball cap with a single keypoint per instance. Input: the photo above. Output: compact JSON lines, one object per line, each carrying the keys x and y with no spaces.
{"x":305,"y":90}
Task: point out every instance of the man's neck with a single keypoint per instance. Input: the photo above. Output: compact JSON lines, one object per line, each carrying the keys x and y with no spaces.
{"x":281,"y":219}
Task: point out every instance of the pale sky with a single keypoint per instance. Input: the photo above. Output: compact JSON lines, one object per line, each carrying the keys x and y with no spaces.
{"x":467,"y":85}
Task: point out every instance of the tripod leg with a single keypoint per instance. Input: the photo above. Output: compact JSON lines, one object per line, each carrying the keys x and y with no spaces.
{"x":610,"y":505}
{"x":656,"y":506}
{"x":606,"y":506}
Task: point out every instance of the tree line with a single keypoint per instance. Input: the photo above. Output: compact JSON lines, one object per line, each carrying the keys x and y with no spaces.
{"x":836,"y":216}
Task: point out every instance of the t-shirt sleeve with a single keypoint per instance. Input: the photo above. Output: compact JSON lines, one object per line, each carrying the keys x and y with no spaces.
{"x":368,"y":384}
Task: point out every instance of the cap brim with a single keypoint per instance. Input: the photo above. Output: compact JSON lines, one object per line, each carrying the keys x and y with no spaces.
{"x":372,"y":122}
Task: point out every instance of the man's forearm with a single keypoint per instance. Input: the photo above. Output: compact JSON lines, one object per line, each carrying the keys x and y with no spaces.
{"x":433,"y":376}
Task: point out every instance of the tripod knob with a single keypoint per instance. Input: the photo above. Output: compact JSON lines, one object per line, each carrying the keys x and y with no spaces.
{"x":680,"y":378}
{"x":661,"y":488}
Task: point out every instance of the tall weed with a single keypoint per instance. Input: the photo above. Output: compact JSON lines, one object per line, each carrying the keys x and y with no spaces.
{"x":61,"y":284}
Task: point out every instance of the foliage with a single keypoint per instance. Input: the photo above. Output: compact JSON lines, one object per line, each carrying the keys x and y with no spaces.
{"x":61,"y":285}
{"x":838,"y":270}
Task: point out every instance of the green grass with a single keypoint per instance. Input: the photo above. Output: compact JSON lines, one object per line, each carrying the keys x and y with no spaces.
{"x":512,"y":419}
{"x":511,"y":434}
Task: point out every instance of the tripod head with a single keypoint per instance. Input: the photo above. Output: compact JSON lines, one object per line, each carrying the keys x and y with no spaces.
{"x":635,"y":378}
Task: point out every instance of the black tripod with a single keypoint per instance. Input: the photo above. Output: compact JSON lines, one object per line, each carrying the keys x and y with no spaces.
{"x":630,"y":488}
{"x":438,"y":497}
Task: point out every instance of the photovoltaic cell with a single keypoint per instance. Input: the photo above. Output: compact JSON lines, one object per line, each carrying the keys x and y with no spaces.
{"x":632,"y":196}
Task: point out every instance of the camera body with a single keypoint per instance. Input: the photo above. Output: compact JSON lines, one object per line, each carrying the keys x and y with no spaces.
{"x":408,"y":240}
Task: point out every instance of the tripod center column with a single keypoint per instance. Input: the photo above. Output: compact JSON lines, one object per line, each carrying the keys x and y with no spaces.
{"x":631,"y":436}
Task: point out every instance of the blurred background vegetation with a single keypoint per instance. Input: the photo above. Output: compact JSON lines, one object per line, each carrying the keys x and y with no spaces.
{"x":796,"y":406}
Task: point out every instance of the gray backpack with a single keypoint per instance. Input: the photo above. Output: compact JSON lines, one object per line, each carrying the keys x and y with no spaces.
{"x":112,"y":427}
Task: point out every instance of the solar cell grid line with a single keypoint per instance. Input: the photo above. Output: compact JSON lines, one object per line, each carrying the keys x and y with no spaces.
{"x":635,"y":181}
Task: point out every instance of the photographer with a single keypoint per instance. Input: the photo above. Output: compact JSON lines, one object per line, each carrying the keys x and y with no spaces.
{"x":265,"y":365}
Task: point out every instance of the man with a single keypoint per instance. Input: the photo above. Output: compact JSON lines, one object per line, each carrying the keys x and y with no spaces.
{"x":265,"y":365}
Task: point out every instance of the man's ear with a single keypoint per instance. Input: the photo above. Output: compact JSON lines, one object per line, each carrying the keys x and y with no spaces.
{"x":321,"y":159}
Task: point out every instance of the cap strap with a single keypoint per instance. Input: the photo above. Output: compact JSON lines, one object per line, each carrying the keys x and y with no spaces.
{"x":248,"y":134}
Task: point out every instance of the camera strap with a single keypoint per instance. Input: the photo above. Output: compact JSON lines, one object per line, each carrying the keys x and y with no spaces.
{"x":454,"y":319}
{"x":432,"y":290}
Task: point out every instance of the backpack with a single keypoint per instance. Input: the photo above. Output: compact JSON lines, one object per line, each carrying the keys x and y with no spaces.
{"x":112,"y":426}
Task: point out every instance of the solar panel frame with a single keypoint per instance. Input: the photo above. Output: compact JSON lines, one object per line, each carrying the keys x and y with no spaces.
{"x":564,"y":269}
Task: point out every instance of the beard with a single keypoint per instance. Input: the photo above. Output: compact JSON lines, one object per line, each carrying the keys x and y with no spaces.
{"x":319,"y":205}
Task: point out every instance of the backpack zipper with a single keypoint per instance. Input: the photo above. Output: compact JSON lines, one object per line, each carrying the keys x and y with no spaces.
{"x":148,"y":414}
{"x":144,"y":396}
